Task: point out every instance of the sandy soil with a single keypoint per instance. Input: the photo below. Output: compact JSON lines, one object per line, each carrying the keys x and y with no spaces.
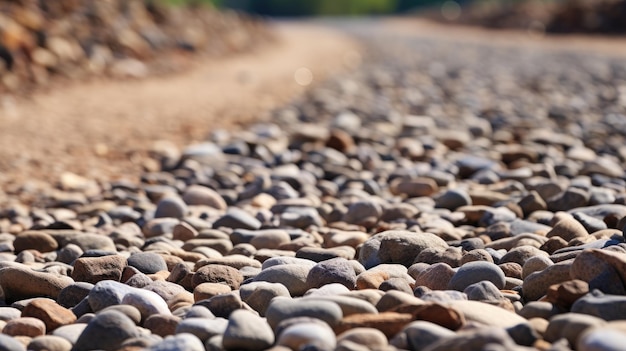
{"x":98,"y":128}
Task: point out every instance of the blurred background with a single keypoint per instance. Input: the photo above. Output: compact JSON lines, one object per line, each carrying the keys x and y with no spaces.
{"x":558,"y":16}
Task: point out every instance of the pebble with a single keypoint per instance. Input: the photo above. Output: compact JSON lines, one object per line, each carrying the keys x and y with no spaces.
{"x":335,"y":270}
{"x":308,"y":335}
{"x":202,"y":328}
{"x":106,"y":331}
{"x":95,"y":269}
{"x":171,"y":207}
{"x":215,"y":273}
{"x":475,"y":272}
{"x":570,"y":326}
{"x":609,"y":337}
{"x":49,"y":312}
{"x":397,"y":247}
{"x":292,"y":276}
{"x":24,"y":326}
{"x":282,"y":308}
{"x":147,"y":262}
{"x":182,"y":341}
{"x":196,"y":195}
{"x":247,"y":331}
{"x":49,"y":343}
{"x":20,"y":283}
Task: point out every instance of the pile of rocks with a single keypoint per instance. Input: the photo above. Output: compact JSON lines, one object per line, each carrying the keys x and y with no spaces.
{"x":446,"y":197}
{"x":76,"y":39}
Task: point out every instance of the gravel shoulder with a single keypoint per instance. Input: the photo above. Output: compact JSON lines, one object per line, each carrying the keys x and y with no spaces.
{"x":97,"y":128}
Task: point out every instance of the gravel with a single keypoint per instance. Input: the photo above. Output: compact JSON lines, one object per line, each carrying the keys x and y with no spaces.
{"x":458,"y":197}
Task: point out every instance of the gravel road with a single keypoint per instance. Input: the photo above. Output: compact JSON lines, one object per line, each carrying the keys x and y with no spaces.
{"x":458,"y":189}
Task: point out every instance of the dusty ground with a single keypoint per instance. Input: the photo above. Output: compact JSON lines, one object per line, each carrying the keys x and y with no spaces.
{"x":95,"y":128}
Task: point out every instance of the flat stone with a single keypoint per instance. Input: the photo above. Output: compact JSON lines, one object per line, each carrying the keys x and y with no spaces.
{"x":282,"y":308}
{"x":95,"y":269}
{"x":52,"y":314}
{"x":21,"y":283}
{"x":34,"y":240}
{"x":147,"y":262}
{"x":24,"y":326}
{"x":201,"y":195}
{"x":607,"y":307}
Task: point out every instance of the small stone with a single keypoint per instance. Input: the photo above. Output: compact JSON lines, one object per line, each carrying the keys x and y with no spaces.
{"x":607,"y":307}
{"x":201,"y":195}
{"x":147,"y":302}
{"x":369,"y":337}
{"x":214,"y":273}
{"x":34,"y":240}
{"x":566,"y":293}
{"x":208,"y":290}
{"x":147,"y":262}
{"x":178,"y":342}
{"x":435,"y":277}
{"x":237,"y":219}
{"x":536,"y":284}
{"x":570,"y":326}
{"x":421,"y":334}
{"x":49,"y":343}
{"x":568,"y":228}
{"x":171,"y":207}
{"x":364,"y":213}
{"x":247,"y":331}
{"x":486,"y":314}
{"x":389,"y":323}
{"x":202,"y":328}
{"x":282,"y":308}
{"x":95,"y":269}
{"x":162,"y":324}
{"x":610,"y":337}
{"x":107,"y":293}
{"x":21,"y":283}
{"x":476,"y":339}
{"x":336,"y":270}
{"x":397,"y":246}
{"x":483,"y":291}
{"x":414,"y":187}
{"x":292,"y":276}
{"x":453,"y":199}
{"x":8,"y":343}
{"x":535,"y":264}
{"x":474,"y":272}
{"x":24,"y":326}
{"x":298,"y":336}
{"x":52,"y":314}
{"x":259,"y":294}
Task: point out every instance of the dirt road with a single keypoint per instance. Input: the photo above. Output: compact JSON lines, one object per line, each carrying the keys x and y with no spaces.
{"x":94,"y":128}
